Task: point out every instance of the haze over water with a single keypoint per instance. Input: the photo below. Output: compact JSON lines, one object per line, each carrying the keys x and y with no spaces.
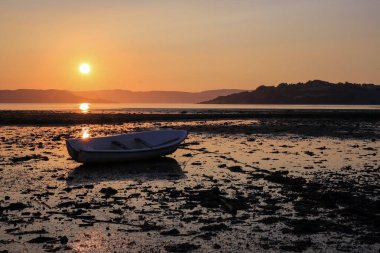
{"x":172,"y":107}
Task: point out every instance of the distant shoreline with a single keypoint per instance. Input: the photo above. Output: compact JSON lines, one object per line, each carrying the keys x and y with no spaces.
{"x":72,"y":118}
{"x":175,"y":107}
{"x":312,"y":92}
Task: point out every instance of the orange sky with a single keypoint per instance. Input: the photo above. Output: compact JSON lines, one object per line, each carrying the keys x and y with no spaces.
{"x":187,"y":45}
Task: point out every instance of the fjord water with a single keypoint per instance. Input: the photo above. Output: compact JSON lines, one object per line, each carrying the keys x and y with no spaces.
{"x":168,"y":107}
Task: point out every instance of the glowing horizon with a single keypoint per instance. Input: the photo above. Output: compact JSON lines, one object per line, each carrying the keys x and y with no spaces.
{"x":187,"y":45}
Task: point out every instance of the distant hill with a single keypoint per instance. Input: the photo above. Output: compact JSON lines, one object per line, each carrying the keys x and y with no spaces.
{"x":42,"y":96}
{"x":312,"y":92}
{"x":126,"y":96}
{"x":108,"y":96}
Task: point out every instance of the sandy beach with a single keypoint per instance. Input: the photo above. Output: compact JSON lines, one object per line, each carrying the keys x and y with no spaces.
{"x":248,"y":185}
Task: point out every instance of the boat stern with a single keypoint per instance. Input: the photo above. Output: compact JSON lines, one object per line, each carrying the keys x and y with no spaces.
{"x":72,"y":152}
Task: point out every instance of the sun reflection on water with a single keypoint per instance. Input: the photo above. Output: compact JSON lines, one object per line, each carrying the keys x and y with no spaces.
{"x":84,"y":107}
{"x":85,"y":133}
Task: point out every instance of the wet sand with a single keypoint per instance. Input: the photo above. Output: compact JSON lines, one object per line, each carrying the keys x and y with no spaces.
{"x":257,"y":185}
{"x":74,"y":118}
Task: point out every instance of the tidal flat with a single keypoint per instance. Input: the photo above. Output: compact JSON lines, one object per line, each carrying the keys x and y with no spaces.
{"x":265,"y":185}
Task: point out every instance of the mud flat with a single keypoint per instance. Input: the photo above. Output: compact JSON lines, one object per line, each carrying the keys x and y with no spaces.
{"x":233,"y":186}
{"x":73,"y":118}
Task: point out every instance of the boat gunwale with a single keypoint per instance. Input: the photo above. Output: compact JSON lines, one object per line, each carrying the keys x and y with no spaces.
{"x":169,"y":145}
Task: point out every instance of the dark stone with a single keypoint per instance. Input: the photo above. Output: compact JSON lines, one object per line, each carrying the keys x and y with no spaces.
{"x":173,"y":231}
{"x":181,"y":247}
{"x":16,"y":206}
{"x":175,"y":193}
{"x":64,"y":240}
{"x":28,"y":157}
{"x":304,"y":226}
{"x":235,"y":169}
{"x":42,"y":239}
{"x":150,"y":227}
{"x":117,"y":211}
{"x":108,"y":191}
{"x":214,"y":227}
{"x":297,"y":246}
{"x":216,"y":246}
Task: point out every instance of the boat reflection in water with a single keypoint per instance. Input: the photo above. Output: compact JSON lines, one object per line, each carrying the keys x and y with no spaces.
{"x":162,"y":168}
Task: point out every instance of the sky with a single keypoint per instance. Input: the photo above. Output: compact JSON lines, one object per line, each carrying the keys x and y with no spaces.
{"x":187,"y":45}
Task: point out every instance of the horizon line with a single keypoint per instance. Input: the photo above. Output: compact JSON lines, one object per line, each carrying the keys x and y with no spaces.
{"x":198,"y":91}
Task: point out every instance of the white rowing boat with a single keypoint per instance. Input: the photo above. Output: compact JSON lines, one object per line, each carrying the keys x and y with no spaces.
{"x":126,"y":147}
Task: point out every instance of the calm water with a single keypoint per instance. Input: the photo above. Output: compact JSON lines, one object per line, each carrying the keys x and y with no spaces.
{"x":120,"y":107}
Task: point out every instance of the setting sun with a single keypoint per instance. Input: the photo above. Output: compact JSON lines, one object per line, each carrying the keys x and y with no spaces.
{"x":85,"y":68}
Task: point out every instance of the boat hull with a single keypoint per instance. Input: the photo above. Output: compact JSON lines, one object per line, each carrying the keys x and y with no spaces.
{"x":107,"y":156}
{"x":100,"y":157}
